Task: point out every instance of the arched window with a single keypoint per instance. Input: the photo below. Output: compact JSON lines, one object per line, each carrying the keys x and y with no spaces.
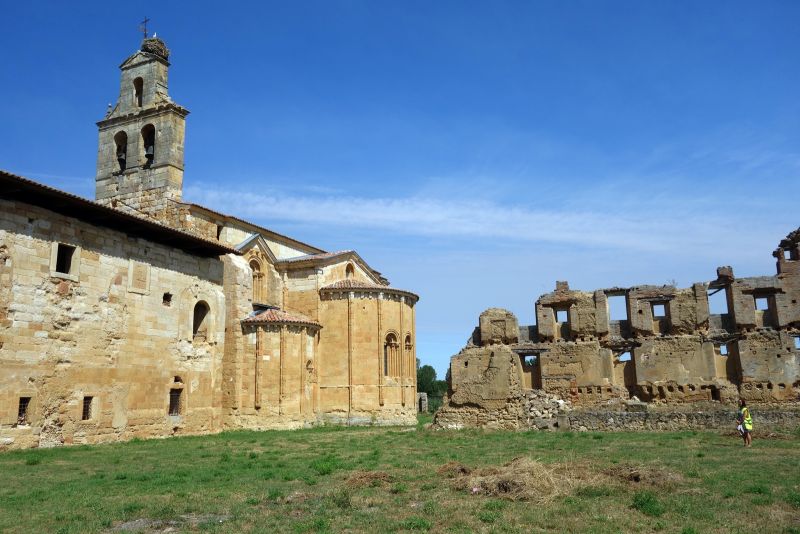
{"x":391,"y":356}
{"x":200,"y":321}
{"x":121,"y":143}
{"x":258,"y":282}
{"x":349,"y":271}
{"x":149,"y":144}
{"x":138,"y":89}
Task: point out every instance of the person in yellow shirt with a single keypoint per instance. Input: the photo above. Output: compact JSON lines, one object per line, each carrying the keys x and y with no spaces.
{"x":745,"y":421}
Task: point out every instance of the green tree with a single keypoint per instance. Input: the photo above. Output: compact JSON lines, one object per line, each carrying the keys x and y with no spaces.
{"x":426,"y":380}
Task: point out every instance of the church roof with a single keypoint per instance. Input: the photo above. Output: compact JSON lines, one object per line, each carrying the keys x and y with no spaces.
{"x":18,"y":188}
{"x":276,"y":316}
{"x":320,"y":256}
{"x":352,"y":284}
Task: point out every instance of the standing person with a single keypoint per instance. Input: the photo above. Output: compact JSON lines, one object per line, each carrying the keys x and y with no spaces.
{"x":745,"y":423}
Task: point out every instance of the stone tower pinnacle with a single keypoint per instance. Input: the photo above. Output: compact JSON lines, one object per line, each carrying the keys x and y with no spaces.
{"x":140,"y":152}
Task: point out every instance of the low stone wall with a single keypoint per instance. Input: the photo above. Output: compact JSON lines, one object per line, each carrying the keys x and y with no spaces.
{"x":596,"y":420}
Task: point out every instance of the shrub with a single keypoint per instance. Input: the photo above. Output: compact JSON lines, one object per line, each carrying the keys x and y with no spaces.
{"x":647,"y":503}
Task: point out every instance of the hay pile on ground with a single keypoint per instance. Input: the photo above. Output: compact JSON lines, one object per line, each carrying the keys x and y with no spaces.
{"x":651,"y":475}
{"x":523,"y":479}
{"x":362,"y":479}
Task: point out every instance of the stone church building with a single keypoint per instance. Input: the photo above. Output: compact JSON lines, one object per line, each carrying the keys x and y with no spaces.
{"x":142,"y":315}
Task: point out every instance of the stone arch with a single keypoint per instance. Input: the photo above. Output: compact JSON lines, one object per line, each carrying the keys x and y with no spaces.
{"x":148,"y":145}
{"x":121,"y":149}
{"x":215,"y":317}
{"x":349,"y":270}
{"x":391,"y":354}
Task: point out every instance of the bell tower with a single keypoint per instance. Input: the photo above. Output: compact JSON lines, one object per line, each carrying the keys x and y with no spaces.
{"x":140,"y":152}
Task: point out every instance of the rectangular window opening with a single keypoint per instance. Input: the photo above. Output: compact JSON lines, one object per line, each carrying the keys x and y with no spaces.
{"x":64,"y":258}
{"x":797,"y":343}
{"x":723,"y":350}
{"x":530,"y":360}
{"x":617,"y":308}
{"x":562,"y":316}
{"x":166,"y":300}
{"x":86,"y":414}
{"x":659,"y":310}
{"x":175,"y":401}
{"x":624,"y":357}
{"x":787,"y":254}
{"x":22,"y":413}
{"x":718,"y":302}
{"x":762,"y":303}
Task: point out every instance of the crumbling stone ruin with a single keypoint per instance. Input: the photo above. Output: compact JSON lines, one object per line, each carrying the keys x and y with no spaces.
{"x":142,"y":315}
{"x":668,"y":356}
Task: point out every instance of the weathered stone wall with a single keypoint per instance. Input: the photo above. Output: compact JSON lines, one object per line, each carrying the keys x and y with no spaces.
{"x":669,"y":348}
{"x":106,"y":330}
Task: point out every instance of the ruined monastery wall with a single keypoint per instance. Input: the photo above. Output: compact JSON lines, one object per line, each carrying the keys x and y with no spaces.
{"x":668,"y":351}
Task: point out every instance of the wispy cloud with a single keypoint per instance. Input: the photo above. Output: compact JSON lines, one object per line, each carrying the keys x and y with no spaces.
{"x":664,"y":225}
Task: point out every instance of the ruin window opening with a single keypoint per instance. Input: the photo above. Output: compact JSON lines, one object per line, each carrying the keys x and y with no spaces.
{"x":86,"y":413}
{"x":530,"y":360}
{"x":797,"y":343}
{"x":166,"y":300}
{"x":200,"y":321}
{"x":177,"y":379}
{"x":349,"y":271}
{"x":762,"y":303}
{"x":138,"y":89}
{"x":659,"y":309}
{"x":624,"y":357}
{"x":64,"y":257}
{"x":219,"y":231}
{"x":617,"y":308}
{"x":723,"y":350}
{"x":121,"y":143}
{"x":718,"y":302}
{"x":149,"y":144}
{"x":22,"y":412}
{"x":562,"y":316}
{"x":175,"y":401}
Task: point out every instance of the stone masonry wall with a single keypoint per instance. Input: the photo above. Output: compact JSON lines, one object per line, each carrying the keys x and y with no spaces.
{"x":118,"y":329}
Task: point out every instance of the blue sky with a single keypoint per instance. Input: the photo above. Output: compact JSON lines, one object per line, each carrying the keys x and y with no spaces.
{"x":474,"y":152}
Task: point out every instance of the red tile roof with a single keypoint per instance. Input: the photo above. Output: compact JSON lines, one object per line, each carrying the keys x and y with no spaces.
{"x":352,"y":284}
{"x":275,"y":316}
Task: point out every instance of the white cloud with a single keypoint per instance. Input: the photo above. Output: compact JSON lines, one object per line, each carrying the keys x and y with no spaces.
{"x":672,"y":223}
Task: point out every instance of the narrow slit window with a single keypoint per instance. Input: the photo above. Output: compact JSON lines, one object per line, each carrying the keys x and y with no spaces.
{"x":86,"y":414}
{"x":22,"y":412}
{"x":175,"y":401}
{"x":64,"y":256}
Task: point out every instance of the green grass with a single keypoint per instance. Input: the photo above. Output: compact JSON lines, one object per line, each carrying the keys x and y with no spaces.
{"x":299,"y":481}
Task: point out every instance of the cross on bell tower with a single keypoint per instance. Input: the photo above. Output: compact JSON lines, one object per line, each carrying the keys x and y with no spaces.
{"x":143,"y":27}
{"x":140,"y":153}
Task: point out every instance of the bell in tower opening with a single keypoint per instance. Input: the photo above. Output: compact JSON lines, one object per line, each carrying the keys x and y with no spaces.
{"x":140,"y":152}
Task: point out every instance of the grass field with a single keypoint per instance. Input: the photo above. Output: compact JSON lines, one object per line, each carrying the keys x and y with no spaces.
{"x":391,"y":480}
